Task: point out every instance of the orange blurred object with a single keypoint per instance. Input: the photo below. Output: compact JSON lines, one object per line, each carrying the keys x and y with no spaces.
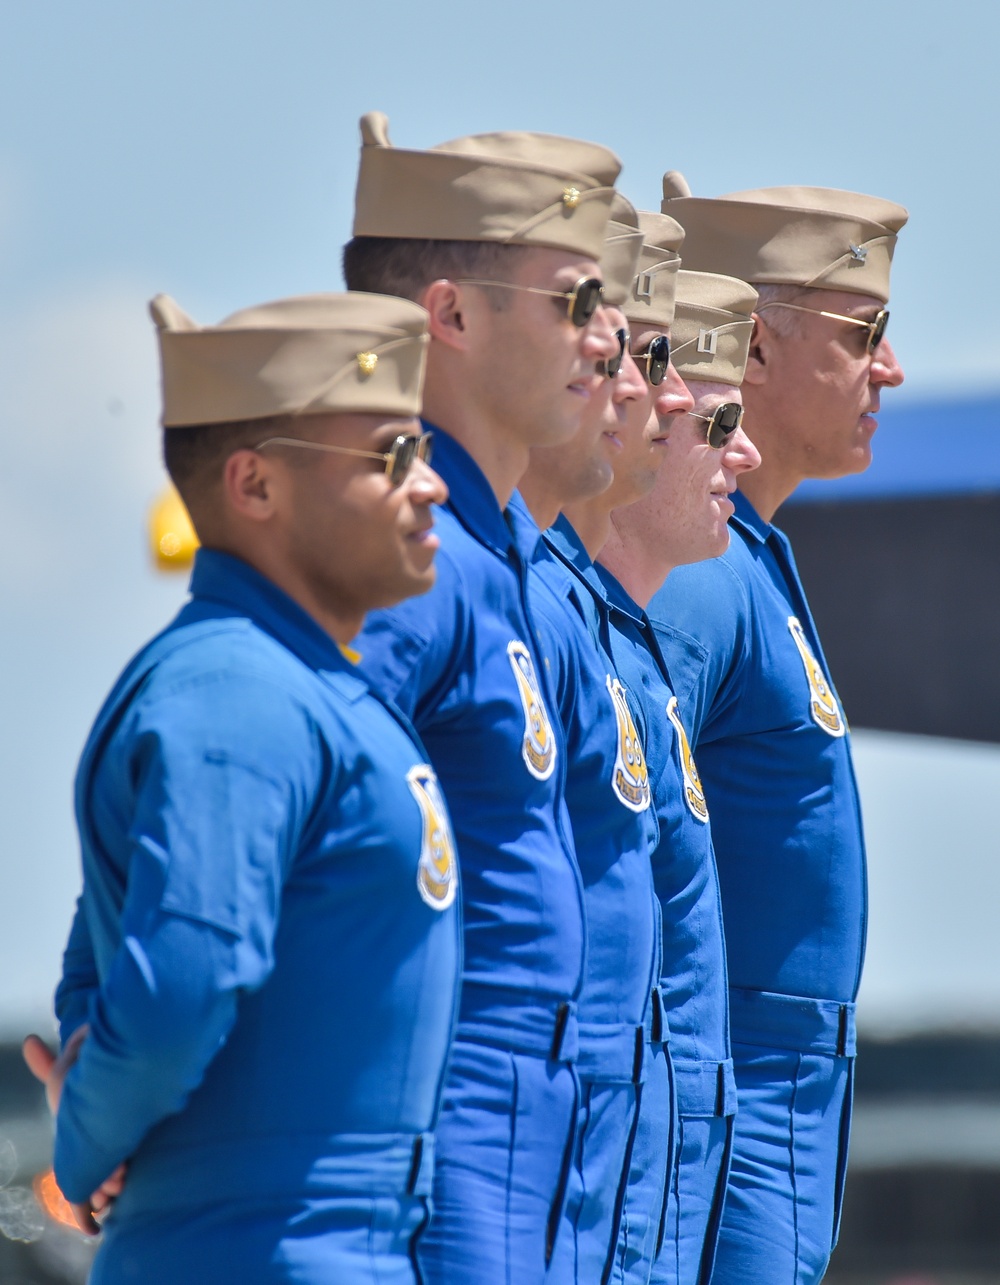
{"x":52,"y":1201}
{"x":172,"y":538}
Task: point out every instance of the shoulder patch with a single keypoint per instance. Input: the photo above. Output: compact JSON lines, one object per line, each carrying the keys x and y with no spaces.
{"x":693,"y":791}
{"x":823,"y":707}
{"x":630,"y":780}
{"x":437,"y":869}
{"x":538,"y":748}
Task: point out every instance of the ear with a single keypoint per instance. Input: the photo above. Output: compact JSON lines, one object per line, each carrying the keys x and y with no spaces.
{"x":760,"y":357}
{"x":249,"y":486}
{"x":447,"y":304}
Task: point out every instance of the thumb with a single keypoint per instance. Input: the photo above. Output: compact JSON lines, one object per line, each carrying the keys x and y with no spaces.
{"x":39,"y":1057}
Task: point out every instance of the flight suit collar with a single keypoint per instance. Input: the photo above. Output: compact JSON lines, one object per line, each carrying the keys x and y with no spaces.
{"x":474,"y":504}
{"x":221,"y":578}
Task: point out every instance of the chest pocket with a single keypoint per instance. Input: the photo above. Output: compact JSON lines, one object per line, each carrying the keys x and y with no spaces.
{"x":822,"y":703}
{"x":538,"y":747}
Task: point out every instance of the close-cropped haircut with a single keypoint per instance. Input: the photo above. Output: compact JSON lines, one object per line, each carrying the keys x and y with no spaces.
{"x":783,"y":321}
{"x":196,"y":454}
{"x":405,"y":266}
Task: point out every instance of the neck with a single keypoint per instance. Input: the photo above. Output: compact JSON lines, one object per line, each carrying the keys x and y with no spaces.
{"x":342,"y":621}
{"x":767,"y":490}
{"x":630,"y":562}
{"x":502,"y":458}
{"x":543,"y":506}
{"x":591,"y":520}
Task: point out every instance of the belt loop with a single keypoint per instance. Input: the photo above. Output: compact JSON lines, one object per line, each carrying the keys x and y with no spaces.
{"x":418,"y":1155}
{"x":640,"y":1042}
{"x":562,"y":1018}
{"x":842,"y":1032}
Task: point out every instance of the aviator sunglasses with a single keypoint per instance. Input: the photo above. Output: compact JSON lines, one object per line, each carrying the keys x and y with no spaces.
{"x":399,"y":458}
{"x":876,"y":328}
{"x":582,"y":301}
{"x":656,"y":358}
{"x":722,"y":424}
{"x":613,"y":365}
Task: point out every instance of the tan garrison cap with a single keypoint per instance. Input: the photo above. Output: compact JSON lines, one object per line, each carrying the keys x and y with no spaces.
{"x":652,"y":298}
{"x":803,"y":236}
{"x":622,"y":247}
{"x":519,"y":189}
{"x":312,"y":355}
{"x":713,"y":322}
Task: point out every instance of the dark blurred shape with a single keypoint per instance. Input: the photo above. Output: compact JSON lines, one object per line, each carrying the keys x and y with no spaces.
{"x":905,"y":593}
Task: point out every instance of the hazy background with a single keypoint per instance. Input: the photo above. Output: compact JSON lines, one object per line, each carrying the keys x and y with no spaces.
{"x":209,"y":150}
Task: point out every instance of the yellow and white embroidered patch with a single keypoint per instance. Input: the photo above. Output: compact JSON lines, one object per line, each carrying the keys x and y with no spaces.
{"x":437,"y":870}
{"x":630,"y":780}
{"x":693,"y":791}
{"x":823,"y":707}
{"x":538,"y":749}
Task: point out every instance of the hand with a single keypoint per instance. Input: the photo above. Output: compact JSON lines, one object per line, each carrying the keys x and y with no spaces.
{"x":52,"y":1071}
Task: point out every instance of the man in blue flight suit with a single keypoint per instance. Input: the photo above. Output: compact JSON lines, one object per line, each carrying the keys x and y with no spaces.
{"x":683,"y":518}
{"x":771,"y":737}
{"x":608,"y":796}
{"x":261,"y":983}
{"x":499,"y":237}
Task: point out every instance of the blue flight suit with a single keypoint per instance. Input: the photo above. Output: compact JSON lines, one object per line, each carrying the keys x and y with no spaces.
{"x":269,"y":916}
{"x":775,"y":758}
{"x":614,"y":830}
{"x":464,"y":663}
{"x":682,"y":1146}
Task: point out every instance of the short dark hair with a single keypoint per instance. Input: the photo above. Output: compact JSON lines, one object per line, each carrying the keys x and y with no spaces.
{"x":405,"y":266}
{"x":195,"y":454}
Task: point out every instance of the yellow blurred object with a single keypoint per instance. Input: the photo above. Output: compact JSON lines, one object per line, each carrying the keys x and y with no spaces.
{"x":171,"y":534}
{"x":52,"y":1201}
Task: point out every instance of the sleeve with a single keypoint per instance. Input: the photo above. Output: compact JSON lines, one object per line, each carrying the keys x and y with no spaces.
{"x":225,"y":783}
{"x":709,"y":602}
{"x":79,"y":980}
{"x":412,"y":652}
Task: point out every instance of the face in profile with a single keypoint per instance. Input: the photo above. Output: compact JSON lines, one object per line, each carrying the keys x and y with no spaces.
{"x":355,"y":532}
{"x":685,"y":517}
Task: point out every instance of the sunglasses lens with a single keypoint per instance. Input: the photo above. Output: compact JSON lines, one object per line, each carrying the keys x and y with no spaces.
{"x":404,"y":450}
{"x":613,"y":365}
{"x":877,"y":332}
{"x":657,"y":360}
{"x":587,"y":298}
{"x":726,"y":419}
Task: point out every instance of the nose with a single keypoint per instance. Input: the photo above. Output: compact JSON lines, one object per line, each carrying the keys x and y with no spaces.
{"x":672,"y":396}
{"x":886,"y":369}
{"x":741,"y":455}
{"x":598,"y":339}
{"x":424,"y":485}
{"x":630,"y":383}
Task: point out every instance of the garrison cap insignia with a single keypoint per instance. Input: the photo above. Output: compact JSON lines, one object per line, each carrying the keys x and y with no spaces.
{"x":437,"y":869}
{"x":571,"y":197}
{"x":367,"y":361}
{"x":693,"y":791}
{"x":631,"y":776}
{"x":823,"y":707}
{"x":538,"y":749}
{"x":859,"y":253}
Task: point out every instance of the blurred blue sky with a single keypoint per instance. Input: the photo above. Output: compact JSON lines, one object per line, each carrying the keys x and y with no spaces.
{"x":208,"y":149}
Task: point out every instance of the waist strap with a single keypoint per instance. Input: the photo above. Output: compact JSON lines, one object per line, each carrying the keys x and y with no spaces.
{"x":619,"y":1052}
{"x":704,"y":1088}
{"x":512,"y":1019}
{"x":366,"y":1165}
{"x":793,"y":1022}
